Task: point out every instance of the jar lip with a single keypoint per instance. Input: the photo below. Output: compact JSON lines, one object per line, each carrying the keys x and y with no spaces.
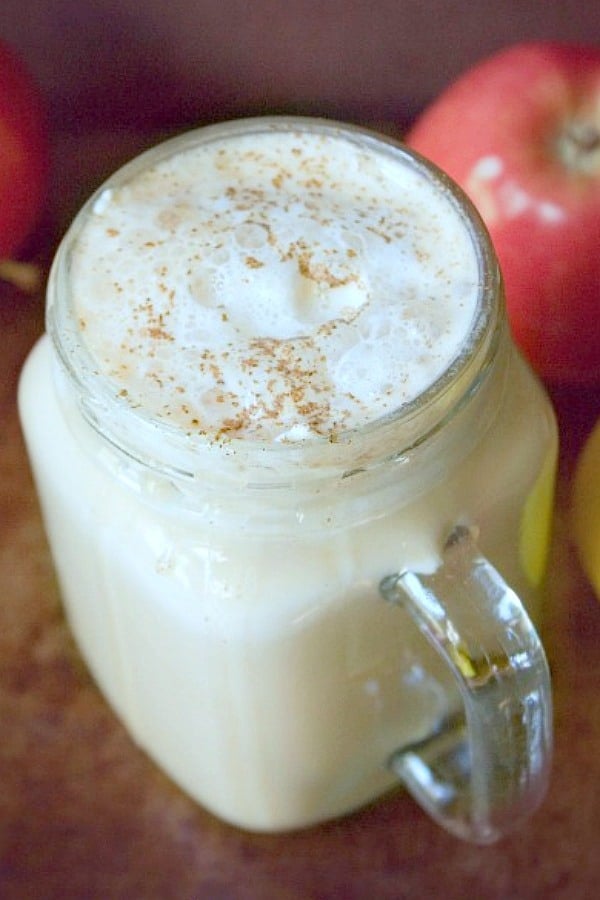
{"x":134,"y":431}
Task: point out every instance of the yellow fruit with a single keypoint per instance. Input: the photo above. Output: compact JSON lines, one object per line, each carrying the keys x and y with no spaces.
{"x":586,"y":508}
{"x":536,"y":522}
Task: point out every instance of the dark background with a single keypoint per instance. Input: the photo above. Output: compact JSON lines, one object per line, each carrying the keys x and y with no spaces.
{"x":168,"y":62}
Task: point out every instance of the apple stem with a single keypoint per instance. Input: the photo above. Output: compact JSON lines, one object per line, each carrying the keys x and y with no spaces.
{"x":579,"y":147}
{"x":24,"y":276}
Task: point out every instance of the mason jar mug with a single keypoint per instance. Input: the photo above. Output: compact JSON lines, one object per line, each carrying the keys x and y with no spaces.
{"x":289,"y":628}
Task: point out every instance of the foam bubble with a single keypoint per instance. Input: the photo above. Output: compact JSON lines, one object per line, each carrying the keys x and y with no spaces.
{"x":286,"y":286}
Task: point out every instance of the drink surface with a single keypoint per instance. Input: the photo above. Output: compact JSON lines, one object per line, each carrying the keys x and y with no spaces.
{"x":274,"y":286}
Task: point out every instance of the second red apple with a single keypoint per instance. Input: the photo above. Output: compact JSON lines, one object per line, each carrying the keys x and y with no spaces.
{"x":520,"y":132}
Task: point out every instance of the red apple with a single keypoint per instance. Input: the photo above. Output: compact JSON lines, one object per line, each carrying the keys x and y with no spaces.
{"x":520,"y":132}
{"x":24,"y":154}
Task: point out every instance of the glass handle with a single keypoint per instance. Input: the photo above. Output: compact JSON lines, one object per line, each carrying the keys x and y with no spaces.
{"x":486,"y":767}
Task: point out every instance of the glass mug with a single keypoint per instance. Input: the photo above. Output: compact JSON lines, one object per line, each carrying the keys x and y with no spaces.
{"x":289,"y":628}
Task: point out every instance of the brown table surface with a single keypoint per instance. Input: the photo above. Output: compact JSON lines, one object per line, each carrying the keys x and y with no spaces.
{"x":84,"y":814}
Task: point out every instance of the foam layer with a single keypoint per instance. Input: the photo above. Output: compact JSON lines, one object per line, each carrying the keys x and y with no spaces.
{"x":275,"y":287}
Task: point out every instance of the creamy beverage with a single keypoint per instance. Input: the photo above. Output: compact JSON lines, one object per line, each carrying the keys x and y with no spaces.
{"x":275,"y":376}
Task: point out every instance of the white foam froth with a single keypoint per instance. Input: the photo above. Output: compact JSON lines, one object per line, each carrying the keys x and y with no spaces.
{"x":277,"y":287}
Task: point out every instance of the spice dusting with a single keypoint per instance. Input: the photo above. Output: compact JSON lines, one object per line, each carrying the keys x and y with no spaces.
{"x":286,"y":287}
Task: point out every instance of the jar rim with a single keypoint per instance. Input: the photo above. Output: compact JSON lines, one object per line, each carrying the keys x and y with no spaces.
{"x":134,"y":431}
